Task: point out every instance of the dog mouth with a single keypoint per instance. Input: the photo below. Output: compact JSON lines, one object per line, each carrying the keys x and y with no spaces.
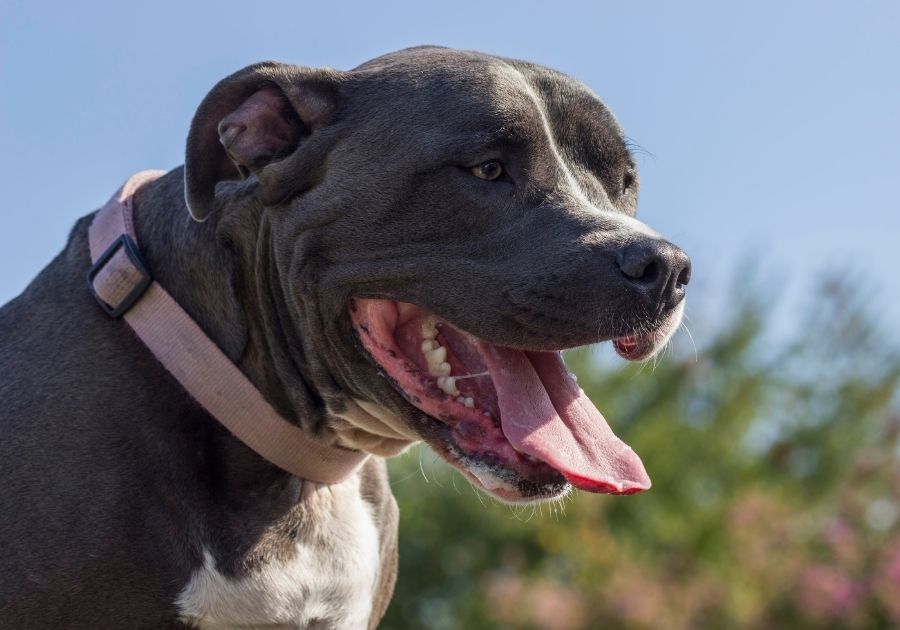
{"x":635,"y":347}
{"x":645,"y":344}
{"x":513,"y":421}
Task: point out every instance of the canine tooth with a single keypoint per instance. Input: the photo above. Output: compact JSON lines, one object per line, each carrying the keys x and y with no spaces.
{"x":428,"y":345}
{"x":448,"y":384}
{"x":429,"y":329}
{"x":469,"y":402}
{"x":436,"y":356}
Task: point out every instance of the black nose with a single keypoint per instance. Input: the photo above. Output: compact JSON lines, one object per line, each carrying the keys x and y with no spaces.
{"x":656,"y":267}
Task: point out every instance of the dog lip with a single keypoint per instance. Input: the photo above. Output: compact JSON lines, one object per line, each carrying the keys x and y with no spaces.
{"x":636,"y":347}
{"x":507,"y":484}
{"x":640,"y":346}
{"x":627,"y":345}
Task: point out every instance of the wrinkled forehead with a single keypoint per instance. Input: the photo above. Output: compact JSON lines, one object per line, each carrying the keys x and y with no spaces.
{"x":476,"y":93}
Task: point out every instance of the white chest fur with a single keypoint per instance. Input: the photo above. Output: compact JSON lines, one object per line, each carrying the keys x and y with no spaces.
{"x":329,"y":583}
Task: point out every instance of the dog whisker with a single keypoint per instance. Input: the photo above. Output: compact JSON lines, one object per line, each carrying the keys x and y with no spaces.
{"x":421,"y":468}
{"x":634,"y":147}
{"x":691,"y":337}
{"x":480,"y":374}
{"x":435,"y":459}
{"x":480,"y":496}
{"x":395,"y":482}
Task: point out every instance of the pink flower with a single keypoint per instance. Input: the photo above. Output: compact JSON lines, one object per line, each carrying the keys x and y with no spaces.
{"x":886,"y":583}
{"x":827,"y":593}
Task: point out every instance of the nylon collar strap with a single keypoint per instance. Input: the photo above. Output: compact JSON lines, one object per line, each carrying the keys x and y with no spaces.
{"x":124,"y":288}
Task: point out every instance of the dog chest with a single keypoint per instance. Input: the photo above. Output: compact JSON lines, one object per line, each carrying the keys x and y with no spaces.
{"x":328,"y":583}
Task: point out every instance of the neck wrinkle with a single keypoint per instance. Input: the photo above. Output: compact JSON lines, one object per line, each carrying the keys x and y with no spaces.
{"x":282,"y":353}
{"x":197,"y":265}
{"x":212,"y":270}
{"x":225,"y":274}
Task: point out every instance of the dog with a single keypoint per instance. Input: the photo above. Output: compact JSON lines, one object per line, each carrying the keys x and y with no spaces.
{"x":388,"y":255}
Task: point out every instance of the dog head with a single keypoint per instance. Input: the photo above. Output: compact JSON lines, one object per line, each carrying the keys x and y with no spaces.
{"x":433,"y":228}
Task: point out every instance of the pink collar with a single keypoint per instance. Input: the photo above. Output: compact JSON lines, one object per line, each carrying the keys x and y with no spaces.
{"x":122,"y":285}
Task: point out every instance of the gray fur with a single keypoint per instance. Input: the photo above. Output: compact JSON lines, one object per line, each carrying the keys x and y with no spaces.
{"x":114,"y":479}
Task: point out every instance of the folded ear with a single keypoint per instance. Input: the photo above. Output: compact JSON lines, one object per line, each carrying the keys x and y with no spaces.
{"x":251,"y":119}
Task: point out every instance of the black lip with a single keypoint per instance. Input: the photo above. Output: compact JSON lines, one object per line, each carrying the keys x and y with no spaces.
{"x":439,"y":437}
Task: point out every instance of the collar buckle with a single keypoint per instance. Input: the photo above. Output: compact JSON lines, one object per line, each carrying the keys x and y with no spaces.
{"x":119,"y":277}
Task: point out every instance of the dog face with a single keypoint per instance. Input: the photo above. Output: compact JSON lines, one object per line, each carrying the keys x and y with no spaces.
{"x":438,"y":226}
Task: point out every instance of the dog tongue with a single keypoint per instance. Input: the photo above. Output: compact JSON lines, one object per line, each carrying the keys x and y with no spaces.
{"x":545,"y":414}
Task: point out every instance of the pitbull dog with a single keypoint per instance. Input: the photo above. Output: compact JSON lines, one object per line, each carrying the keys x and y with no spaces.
{"x":392,"y":254}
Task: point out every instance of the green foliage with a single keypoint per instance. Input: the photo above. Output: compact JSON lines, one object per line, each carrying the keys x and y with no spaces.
{"x":774,"y":502}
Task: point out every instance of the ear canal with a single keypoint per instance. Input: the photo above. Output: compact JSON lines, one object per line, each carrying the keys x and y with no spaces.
{"x":263,"y":128}
{"x":248,"y":120}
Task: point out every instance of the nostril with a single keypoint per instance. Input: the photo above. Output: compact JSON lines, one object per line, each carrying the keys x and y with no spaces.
{"x":681,"y":268}
{"x":651,"y":273}
{"x":684,"y":277}
{"x":640,"y":265}
{"x":656,"y":267}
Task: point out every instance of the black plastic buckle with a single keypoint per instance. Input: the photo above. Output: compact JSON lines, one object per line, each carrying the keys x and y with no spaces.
{"x":134,"y":256}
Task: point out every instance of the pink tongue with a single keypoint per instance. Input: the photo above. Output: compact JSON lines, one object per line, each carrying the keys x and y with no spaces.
{"x":545,"y":414}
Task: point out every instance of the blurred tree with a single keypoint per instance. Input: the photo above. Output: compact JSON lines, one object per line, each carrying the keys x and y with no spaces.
{"x":774,"y":502}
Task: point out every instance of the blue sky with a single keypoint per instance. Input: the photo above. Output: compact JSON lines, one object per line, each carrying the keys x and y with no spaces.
{"x":768,"y":130}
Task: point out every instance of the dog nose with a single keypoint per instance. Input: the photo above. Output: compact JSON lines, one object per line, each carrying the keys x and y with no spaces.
{"x":656,"y":267}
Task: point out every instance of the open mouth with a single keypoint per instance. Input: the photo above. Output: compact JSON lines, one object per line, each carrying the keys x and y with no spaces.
{"x":513,"y":421}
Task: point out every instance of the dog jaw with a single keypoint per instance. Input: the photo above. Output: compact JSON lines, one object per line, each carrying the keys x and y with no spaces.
{"x":370,"y":427}
{"x":513,"y":421}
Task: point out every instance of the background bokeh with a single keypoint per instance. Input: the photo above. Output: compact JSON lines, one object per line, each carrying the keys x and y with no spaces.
{"x":768,"y":137}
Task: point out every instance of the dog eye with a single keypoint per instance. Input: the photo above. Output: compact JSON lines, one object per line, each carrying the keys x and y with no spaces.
{"x":627,"y":182}
{"x":489,"y":171}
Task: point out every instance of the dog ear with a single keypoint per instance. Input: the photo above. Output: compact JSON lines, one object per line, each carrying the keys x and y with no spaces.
{"x":249,"y":120}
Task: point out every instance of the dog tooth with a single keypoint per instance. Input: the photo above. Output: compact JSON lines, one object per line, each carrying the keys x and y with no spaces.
{"x":436,"y":356}
{"x":438,"y":368}
{"x":441,"y":369}
{"x":469,"y":402}
{"x":448,"y":384}
{"x":429,"y":329}
{"x":428,"y":345}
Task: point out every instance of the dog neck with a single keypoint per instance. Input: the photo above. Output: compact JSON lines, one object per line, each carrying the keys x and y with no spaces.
{"x":223,"y":273}
{"x":212,"y":273}
{"x":185,"y":349}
